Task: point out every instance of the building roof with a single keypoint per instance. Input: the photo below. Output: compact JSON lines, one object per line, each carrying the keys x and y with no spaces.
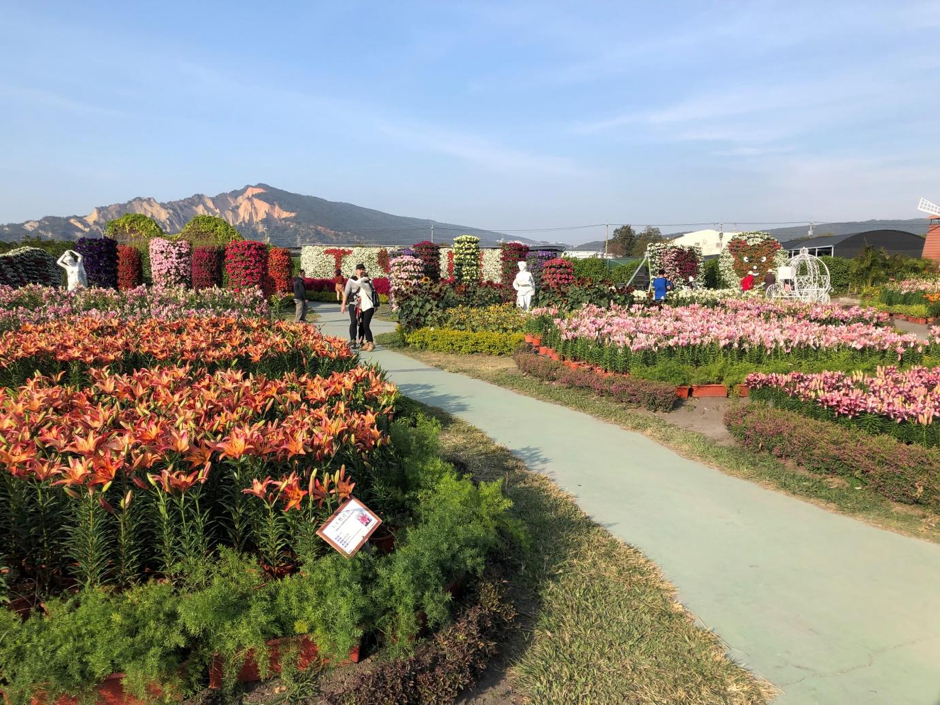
{"x":832,"y":240}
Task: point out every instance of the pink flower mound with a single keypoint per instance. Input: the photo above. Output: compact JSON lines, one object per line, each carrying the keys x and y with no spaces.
{"x":759,"y":327}
{"x":246,"y":263}
{"x":170,"y":262}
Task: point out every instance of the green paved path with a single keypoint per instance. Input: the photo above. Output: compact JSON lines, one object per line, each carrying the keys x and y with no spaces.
{"x":829,"y":609}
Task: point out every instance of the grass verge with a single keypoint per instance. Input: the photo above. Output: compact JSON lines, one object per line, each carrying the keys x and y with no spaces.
{"x":832,"y":493}
{"x":599,"y":622}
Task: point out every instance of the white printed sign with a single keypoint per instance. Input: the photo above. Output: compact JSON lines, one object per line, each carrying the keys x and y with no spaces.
{"x":350,"y":527}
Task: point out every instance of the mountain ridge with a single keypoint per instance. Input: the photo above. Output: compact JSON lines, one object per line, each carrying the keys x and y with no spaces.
{"x":259,"y":212}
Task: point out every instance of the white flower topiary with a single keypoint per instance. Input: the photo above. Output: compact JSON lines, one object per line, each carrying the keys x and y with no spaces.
{"x":319,"y":265}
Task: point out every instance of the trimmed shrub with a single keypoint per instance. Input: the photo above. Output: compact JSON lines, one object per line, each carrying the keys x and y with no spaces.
{"x":207,"y":266}
{"x":130,"y":267}
{"x":463,"y":342}
{"x":502,"y":318}
{"x":246,"y":263}
{"x":171,"y":262}
{"x":592,"y":268}
{"x":279,"y":267}
{"x":100,"y":260}
{"x":909,"y":474}
{"x":631,"y":391}
{"x":29,"y":265}
{"x":622,"y":273}
{"x":209,"y":230}
{"x":840,"y":272}
{"x":430,"y":255}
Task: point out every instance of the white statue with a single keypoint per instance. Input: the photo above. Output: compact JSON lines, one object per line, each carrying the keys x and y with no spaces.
{"x":524,"y":285}
{"x":71,"y":262}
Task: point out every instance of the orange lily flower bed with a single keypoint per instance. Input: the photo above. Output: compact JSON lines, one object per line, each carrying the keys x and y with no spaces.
{"x":161,"y":465}
{"x":79,"y":344}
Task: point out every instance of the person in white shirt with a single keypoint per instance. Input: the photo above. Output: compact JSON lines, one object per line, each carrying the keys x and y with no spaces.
{"x":359,"y":298}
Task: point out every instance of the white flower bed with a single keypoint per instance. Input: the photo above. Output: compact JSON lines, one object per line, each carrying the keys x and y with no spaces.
{"x":319,"y":265}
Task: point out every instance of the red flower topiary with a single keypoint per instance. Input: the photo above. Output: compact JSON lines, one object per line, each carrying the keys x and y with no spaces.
{"x":557,"y":274}
{"x":384,"y":263}
{"x":430,"y":255}
{"x":207,"y":267}
{"x":511,"y":253}
{"x":130,"y":271}
{"x":246,"y":263}
{"x":279,"y":270}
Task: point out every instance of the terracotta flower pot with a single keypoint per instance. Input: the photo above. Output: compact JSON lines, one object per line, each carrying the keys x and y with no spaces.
{"x":682,"y":391}
{"x":110,"y":692}
{"x":536,"y":340}
{"x":918,"y":319}
{"x":249,"y":673}
{"x":709,"y":390}
{"x":554,"y":356}
{"x":743,"y":390}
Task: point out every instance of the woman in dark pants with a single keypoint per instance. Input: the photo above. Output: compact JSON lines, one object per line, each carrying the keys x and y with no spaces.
{"x":366,"y":310}
{"x":350,"y":292}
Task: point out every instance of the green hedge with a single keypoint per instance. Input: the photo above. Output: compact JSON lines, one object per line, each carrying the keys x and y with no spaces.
{"x":900,"y":472}
{"x":594,"y":268}
{"x":463,"y":342}
{"x":840,"y":272}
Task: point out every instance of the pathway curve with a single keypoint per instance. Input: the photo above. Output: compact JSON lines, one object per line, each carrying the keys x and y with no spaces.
{"x":827,"y":608}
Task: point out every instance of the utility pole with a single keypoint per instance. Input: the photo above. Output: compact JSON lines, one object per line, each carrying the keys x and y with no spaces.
{"x":606,"y":238}
{"x":432,"y":232}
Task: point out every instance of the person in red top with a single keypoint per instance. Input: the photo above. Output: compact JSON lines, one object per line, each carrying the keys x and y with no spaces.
{"x":339,"y":284}
{"x":748,"y":282}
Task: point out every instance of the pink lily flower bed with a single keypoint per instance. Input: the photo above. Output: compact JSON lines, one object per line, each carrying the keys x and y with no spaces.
{"x":902,"y":403}
{"x":764,"y":327}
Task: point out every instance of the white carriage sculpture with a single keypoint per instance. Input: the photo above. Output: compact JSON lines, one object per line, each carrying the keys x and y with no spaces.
{"x":804,"y":277}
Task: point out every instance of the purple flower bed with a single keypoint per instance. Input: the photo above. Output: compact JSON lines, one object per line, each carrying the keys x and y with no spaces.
{"x":100,"y":258}
{"x":903,"y":473}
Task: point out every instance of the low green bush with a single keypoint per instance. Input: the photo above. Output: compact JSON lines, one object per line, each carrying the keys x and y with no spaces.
{"x":903,"y":473}
{"x":593,"y":268}
{"x":840,"y":272}
{"x":712,"y":274}
{"x":622,"y":273}
{"x":503,"y":318}
{"x":463,"y":342}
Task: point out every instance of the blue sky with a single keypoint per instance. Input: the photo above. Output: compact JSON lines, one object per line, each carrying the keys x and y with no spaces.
{"x":496,"y":115}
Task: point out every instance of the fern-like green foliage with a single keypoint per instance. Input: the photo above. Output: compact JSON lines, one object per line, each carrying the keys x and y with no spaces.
{"x":205,"y":230}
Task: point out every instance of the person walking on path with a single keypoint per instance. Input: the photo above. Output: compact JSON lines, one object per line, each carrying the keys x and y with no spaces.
{"x":338,"y":283}
{"x":367,"y":306}
{"x":300,"y":297}
{"x":661,"y":286}
{"x":350,"y":296}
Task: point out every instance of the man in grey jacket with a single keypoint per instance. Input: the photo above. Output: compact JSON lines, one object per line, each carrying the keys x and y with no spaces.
{"x":300,"y":298}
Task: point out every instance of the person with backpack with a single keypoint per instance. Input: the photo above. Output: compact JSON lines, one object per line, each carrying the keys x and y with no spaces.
{"x":359,"y":296}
